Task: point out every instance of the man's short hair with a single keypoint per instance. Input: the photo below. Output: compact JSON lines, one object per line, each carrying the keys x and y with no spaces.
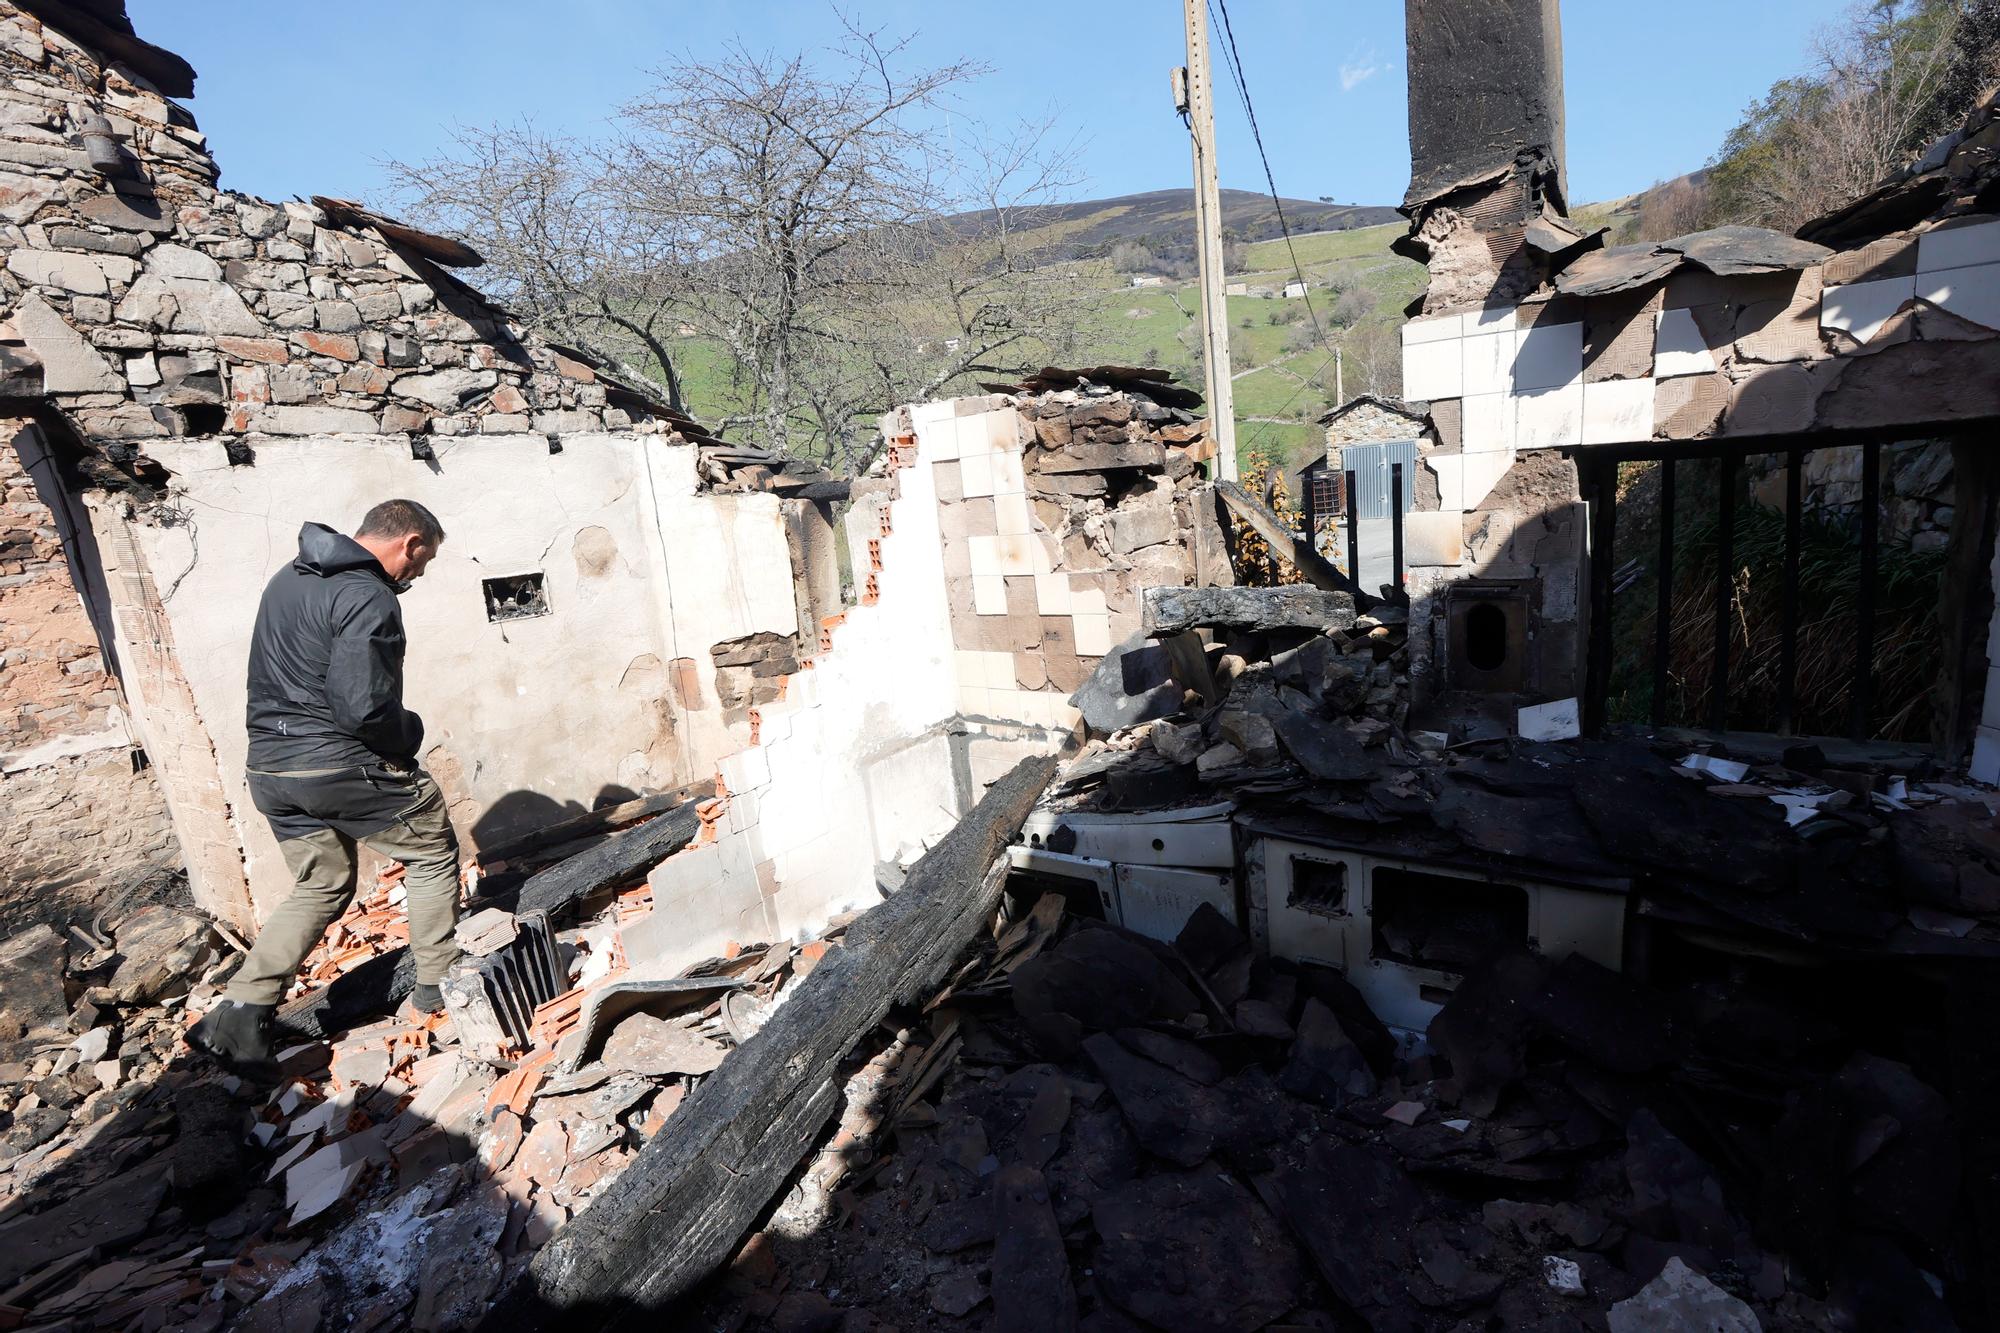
{"x":401,"y":518}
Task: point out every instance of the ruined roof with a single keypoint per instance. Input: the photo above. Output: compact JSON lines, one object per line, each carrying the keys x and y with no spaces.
{"x":1725,"y":251}
{"x":346,"y":214}
{"x":103,"y":26}
{"x":1152,"y":381}
{"x":1414,"y":411}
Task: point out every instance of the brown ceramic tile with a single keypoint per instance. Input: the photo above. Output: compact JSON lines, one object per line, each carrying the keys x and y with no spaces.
{"x":949,"y":480}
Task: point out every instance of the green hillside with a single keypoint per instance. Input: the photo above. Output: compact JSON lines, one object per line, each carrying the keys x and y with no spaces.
{"x":1284,"y":373}
{"x":1284,"y":376}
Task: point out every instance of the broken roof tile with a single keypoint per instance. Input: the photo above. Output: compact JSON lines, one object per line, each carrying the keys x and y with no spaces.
{"x":1728,"y":251}
{"x":1618,"y":269}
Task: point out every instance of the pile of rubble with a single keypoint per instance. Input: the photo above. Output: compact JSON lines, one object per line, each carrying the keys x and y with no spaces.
{"x":1111,"y":462}
{"x":1230,"y":687}
{"x":402,"y":1170}
{"x":1094,"y":1129}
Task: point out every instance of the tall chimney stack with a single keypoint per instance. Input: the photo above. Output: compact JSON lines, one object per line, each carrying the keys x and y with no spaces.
{"x":1486,"y":142}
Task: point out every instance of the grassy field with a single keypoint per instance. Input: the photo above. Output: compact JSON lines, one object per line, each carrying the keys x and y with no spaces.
{"x":1270,"y":344}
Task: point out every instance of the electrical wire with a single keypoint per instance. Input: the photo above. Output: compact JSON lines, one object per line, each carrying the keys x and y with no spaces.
{"x":1257,"y":135}
{"x":1234,"y":62}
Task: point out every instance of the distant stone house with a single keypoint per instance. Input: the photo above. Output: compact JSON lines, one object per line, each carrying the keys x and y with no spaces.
{"x":1369,"y":419}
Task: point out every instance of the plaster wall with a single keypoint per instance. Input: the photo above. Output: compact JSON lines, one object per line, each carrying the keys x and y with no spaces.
{"x":527,"y":720}
{"x":863,"y":760}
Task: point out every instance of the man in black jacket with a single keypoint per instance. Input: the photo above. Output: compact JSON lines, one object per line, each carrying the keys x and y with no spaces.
{"x":333,"y":762}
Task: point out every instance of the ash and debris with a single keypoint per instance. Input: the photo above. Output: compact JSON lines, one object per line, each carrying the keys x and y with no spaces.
{"x":394,"y":1176}
{"x":1100,"y":1131}
{"x":1092,"y":1129}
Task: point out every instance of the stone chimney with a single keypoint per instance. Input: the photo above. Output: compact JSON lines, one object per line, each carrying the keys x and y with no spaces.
{"x":1486,"y":146}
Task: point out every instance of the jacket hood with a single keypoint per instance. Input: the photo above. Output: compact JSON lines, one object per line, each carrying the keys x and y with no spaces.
{"x":324,"y":552}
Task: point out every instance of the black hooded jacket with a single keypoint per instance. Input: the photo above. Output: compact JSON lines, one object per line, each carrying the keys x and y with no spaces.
{"x":326,"y":663}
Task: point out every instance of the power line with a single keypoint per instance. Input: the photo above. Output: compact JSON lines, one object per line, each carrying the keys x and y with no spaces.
{"x":1304,"y":383}
{"x":1284,"y":226}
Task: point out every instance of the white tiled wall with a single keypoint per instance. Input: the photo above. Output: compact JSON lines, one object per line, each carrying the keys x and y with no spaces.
{"x":1523,"y":388}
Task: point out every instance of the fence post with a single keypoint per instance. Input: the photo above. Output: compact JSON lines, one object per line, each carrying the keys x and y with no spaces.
{"x":1396,"y":534}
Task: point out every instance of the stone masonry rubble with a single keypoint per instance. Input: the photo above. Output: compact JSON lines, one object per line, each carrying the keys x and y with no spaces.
{"x":148,"y":303}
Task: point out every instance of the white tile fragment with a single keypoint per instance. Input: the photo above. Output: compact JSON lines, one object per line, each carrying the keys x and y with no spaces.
{"x":1618,"y":411}
{"x":1557,"y":721}
{"x":1970,"y":293}
{"x":1678,"y":347}
{"x":1862,"y":308}
{"x":1489,"y":362}
{"x":1548,"y":356}
{"x":1486,"y":423}
{"x":1549,"y":418}
{"x":1957,"y":247}
{"x":1436,"y":328}
{"x":1433,"y":370}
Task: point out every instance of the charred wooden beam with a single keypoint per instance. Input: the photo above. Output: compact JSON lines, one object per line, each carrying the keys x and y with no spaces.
{"x":1285,"y":544}
{"x":1348,"y":492}
{"x":1864,"y":593}
{"x":1725,"y":591}
{"x":683,"y":1204}
{"x":593,"y":823}
{"x":1600,"y":483}
{"x":1397,"y":593}
{"x":612,"y":862}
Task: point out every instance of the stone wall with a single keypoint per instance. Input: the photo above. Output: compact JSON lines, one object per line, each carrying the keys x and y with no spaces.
{"x":1370,"y":420}
{"x":152,"y":305}
{"x":1918,"y":489}
{"x":55,"y":686}
{"x":79,"y":836}
{"x":1057,"y":511}
{"x":84,"y":818}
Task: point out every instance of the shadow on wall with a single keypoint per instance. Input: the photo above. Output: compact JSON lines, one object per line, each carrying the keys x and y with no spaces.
{"x":520,"y":813}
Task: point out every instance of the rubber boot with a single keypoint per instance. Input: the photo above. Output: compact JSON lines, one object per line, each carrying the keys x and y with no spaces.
{"x":236,"y":1036}
{"x":427,"y":999}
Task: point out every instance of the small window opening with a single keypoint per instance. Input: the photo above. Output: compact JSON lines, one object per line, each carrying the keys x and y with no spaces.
{"x":516,"y":597}
{"x":1486,"y":637}
{"x":1319,"y":886}
{"x":1442,"y":922}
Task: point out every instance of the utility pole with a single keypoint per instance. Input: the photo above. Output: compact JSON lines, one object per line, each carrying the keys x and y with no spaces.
{"x":1339,"y":380}
{"x":1194,"y":99}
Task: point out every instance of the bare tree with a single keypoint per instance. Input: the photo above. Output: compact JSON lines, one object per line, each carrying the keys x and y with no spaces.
{"x":1818,"y":141}
{"x":825,"y":220}
{"x":1672,"y":208}
{"x":561,"y":250}
{"x":1373,"y":354}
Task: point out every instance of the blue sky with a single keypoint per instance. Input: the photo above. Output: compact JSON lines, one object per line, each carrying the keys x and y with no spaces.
{"x":310,"y":99}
